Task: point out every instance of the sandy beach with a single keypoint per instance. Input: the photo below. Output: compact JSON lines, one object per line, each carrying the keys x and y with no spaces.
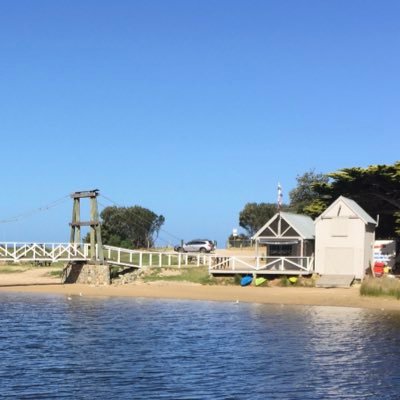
{"x":38,"y":281}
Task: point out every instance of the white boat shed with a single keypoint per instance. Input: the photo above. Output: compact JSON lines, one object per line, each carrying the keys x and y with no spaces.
{"x":288,"y":240}
{"x":345,"y":236}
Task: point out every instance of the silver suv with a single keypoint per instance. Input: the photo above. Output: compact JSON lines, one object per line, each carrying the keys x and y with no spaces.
{"x":198,"y":245}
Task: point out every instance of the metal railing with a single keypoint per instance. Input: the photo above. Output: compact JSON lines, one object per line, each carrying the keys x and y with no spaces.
{"x":272,"y":265}
{"x":52,"y":252}
{"x":67,"y":252}
{"x":140,"y":259}
{"x":239,"y":243}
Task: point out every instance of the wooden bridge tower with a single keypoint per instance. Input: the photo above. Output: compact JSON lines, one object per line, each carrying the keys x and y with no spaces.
{"x":94,"y":224}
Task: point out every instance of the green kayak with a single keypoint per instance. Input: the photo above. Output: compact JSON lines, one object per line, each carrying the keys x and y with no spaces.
{"x":260,"y":281}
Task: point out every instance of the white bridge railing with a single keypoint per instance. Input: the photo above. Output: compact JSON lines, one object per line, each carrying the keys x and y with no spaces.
{"x":217,"y":264}
{"x":269,"y":265}
{"x":65,"y":252}
{"x":140,"y":259}
{"x":42,"y":252}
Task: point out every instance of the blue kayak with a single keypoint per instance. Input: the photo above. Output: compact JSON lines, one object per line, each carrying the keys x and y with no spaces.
{"x":246,"y":280}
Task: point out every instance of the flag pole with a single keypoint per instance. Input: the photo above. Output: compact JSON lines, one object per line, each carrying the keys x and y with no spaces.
{"x":280,"y":196}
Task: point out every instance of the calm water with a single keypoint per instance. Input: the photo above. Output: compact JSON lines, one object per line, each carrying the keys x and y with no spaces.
{"x":88,"y":348}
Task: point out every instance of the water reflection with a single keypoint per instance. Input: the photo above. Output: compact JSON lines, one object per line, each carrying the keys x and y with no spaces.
{"x":137,"y":348}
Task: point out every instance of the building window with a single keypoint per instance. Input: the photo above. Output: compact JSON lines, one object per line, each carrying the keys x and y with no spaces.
{"x":281,"y":250}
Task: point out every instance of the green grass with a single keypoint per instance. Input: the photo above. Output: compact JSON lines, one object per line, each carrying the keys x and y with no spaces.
{"x":56,"y":272}
{"x":194,"y":274}
{"x":380,"y":287}
{"x":10,"y":269}
{"x":23,"y":267}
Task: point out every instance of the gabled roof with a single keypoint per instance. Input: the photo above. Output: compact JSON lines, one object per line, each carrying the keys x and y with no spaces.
{"x":356,"y":208}
{"x":302,"y":224}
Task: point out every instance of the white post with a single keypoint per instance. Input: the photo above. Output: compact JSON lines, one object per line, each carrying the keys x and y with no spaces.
{"x":160,"y":259}
{"x":140,"y":259}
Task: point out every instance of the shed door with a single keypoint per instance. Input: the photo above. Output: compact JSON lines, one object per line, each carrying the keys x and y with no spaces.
{"x":339,"y":261}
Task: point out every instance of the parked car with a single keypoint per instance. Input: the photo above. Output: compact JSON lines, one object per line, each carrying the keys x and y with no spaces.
{"x":197,"y":245}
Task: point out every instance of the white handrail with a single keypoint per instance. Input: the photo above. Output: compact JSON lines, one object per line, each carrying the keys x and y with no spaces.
{"x":18,"y":252}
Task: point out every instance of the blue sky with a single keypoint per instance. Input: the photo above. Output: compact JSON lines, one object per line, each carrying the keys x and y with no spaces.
{"x":189,"y":108}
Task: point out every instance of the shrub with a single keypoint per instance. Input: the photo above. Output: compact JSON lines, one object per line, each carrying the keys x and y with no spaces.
{"x":237,"y":278}
{"x":284,"y":281}
{"x":305,"y":282}
{"x":384,"y":286}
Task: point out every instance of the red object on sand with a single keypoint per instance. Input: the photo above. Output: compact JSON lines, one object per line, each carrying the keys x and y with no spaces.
{"x":378,"y":268}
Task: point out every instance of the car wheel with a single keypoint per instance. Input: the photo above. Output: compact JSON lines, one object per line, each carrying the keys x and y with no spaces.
{"x":203,"y":250}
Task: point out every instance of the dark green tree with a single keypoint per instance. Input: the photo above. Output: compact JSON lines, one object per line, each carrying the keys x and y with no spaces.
{"x":130,"y":227}
{"x":375,"y":188}
{"x":255,"y":215}
{"x":304,"y":193}
{"x":239,"y":240}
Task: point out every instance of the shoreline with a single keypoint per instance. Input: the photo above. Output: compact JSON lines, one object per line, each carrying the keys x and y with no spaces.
{"x":335,"y":297}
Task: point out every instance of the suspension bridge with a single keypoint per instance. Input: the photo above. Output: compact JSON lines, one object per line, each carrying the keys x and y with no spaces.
{"x":95,"y":252}
{"x":42,"y":253}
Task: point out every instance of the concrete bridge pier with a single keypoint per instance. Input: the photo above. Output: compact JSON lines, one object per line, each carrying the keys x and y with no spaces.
{"x":87,"y":273}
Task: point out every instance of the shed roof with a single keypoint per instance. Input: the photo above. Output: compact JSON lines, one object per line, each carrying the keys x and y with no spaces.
{"x":355,"y":207}
{"x":302,"y":224}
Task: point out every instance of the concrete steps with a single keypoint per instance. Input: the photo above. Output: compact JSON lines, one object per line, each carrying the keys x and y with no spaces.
{"x":335,"y":281}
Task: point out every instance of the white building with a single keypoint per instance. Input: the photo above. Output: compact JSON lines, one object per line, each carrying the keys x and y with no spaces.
{"x":287,"y":242}
{"x":344,"y":239}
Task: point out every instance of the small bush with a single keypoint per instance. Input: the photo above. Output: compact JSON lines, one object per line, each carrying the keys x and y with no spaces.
{"x":284,"y":281}
{"x":305,"y":282}
{"x":237,"y":278}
